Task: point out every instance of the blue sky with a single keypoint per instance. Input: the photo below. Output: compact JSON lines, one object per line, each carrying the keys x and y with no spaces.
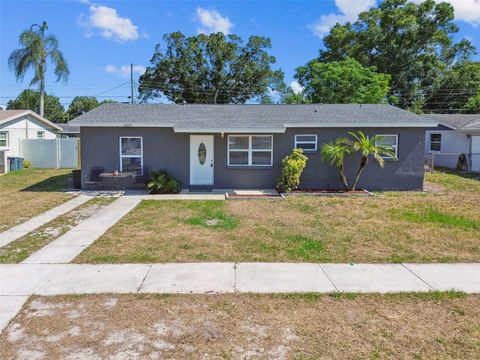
{"x":101,"y":38}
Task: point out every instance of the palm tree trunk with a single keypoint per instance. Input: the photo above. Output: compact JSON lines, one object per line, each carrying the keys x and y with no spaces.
{"x":42,"y":86}
{"x":343,"y":179}
{"x":363,"y":163}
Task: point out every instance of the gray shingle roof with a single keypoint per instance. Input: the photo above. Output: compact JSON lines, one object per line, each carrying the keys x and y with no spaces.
{"x":248,"y":117}
{"x":462,"y":122}
{"x":69,"y":129}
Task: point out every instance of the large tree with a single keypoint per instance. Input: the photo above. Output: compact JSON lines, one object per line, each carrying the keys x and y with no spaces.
{"x":210,"y":69}
{"x":82,"y":104}
{"x":29,"y":100}
{"x":345,"y":81}
{"x":413,"y":43}
{"x":454,"y":89}
{"x":37,"y":48}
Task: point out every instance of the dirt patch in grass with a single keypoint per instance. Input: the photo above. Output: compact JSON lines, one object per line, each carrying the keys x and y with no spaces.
{"x":392,"y":227}
{"x":30,"y":192}
{"x":20,"y":249}
{"x":246,"y":326}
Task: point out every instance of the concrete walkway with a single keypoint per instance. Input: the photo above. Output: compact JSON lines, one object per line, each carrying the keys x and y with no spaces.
{"x":34,"y":223}
{"x":18,"y":281}
{"x":67,"y":247}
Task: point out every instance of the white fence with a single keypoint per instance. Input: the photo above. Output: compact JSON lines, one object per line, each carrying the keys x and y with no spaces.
{"x":55,"y":153}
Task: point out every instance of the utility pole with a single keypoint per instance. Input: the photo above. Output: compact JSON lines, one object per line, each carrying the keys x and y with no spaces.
{"x":131,"y":84}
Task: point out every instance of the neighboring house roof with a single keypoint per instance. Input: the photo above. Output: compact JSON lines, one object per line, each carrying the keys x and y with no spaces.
{"x":69,"y":129}
{"x":9,"y":115}
{"x":460,"y":122}
{"x":245,"y":118}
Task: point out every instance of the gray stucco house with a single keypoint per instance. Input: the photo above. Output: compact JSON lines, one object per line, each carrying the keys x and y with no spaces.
{"x":241,"y":146}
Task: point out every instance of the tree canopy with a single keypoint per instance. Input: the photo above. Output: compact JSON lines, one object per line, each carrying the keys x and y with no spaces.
{"x":82,"y":104}
{"x":413,"y":43}
{"x":38,"y":47}
{"x":345,"y":81}
{"x":215,"y":68}
{"x":455,"y":88}
{"x":30,"y":99}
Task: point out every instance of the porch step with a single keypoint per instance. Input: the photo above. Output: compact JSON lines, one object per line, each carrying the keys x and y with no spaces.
{"x":200,"y":188}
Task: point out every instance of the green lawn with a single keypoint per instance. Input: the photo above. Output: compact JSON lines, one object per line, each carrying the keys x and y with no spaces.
{"x":29,"y":192}
{"x":438,"y":226}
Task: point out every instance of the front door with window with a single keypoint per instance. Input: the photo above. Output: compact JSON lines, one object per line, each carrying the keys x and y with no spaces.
{"x":201,"y":159}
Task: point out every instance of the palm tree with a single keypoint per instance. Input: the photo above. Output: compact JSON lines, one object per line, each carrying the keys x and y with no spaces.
{"x":37,"y":47}
{"x":369,"y":146}
{"x":334,"y":153}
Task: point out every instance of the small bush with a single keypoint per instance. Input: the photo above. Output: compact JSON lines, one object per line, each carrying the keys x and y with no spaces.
{"x":292,"y":168}
{"x":161,"y":183}
{"x":26,"y":164}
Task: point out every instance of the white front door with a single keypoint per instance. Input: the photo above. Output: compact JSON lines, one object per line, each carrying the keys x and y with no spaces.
{"x":201,"y":159}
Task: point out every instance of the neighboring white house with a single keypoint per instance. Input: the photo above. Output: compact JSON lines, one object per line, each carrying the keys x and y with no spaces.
{"x":456,"y":134}
{"x":16,"y":125}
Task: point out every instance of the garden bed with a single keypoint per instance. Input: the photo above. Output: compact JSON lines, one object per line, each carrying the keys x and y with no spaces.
{"x":323,"y":192}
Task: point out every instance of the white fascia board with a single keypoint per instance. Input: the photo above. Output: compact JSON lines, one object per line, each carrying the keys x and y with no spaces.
{"x":360,"y":125}
{"x":231,"y":130}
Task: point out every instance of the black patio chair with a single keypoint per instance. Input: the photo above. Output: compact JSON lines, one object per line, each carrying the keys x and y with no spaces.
{"x":94,"y":183}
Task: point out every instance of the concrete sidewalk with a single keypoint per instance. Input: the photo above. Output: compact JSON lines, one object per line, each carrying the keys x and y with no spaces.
{"x":18,"y":231}
{"x":18,"y":281}
{"x":67,"y":247}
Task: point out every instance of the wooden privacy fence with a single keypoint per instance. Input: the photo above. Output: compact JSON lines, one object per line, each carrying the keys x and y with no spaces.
{"x":51,"y":154}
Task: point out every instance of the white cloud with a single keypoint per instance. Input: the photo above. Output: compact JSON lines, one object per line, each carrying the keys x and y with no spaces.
{"x":296,"y":87}
{"x":124,"y":70}
{"x":465,"y":10}
{"x":212,"y":21}
{"x":111,"y":25}
{"x":348,"y":12}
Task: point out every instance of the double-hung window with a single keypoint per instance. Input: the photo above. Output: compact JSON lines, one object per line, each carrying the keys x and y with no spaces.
{"x":131,"y":154}
{"x":306,"y":142}
{"x":40,"y":135}
{"x":436,"y":142}
{"x":3,"y":138}
{"x":250,"y":150}
{"x":389,"y":140}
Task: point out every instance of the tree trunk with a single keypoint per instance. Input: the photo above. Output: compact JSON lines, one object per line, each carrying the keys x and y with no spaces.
{"x":363,"y":163}
{"x":343,"y":179}
{"x":215,"y":97}
{"x":42,"y":87}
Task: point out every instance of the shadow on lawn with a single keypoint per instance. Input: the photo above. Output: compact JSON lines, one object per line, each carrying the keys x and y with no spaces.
{"x":465,"y":175}
{"x":54,"y":183}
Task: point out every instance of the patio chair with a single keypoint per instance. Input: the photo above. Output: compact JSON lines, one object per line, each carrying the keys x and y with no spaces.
{"x":142,"y":179}
{"x":94,"y":182}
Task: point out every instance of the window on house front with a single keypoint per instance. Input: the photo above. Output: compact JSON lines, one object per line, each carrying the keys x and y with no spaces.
{"x":250,"y":150}
{"x":3,"y":138}
{"x":306,"y":142}
{"x":131,"y":154}
{"x":435,"y":142}
{"x":389,"y":140}
{"x":41,"y":135}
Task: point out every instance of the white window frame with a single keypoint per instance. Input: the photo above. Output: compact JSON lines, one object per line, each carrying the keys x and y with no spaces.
{"x":250,"y":151}
{"x":297,"y":142}
{"x":131,"y":156}
{"x":395,"y":147}
{"x":43,"y":135}
{"x":435,"y":142}
{"x":6,"y":139}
